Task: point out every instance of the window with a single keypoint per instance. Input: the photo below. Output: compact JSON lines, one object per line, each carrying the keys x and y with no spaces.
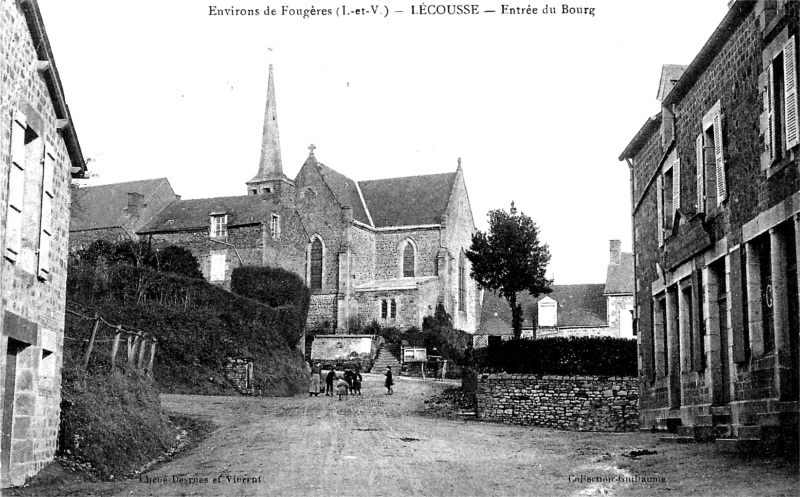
{"x":384,"y":308}
{"x":315,"y":275}
{"x":16,"y":185}
{"x":393,"y":309}
{"x":275,"y":226}
{"x":462,"y":287}
{"x":781,"y":133}
{"x":668,"y":190}
{"x":219,"y":225}
{"x":713,"y":154}
{"x":218,"y":267}
{"x":408,"y":260}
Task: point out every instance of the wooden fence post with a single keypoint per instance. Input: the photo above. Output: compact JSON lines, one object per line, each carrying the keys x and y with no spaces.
{"x":114,"y":348}
{"x":91,"y":340}
{"x":152,"y":357}
{"x":142,"y":348}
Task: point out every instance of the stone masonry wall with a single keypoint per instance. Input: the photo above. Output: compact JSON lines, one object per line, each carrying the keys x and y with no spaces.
{"x":239,"y":371}
{"x":31,"y":309}
{"x":582,"y":403}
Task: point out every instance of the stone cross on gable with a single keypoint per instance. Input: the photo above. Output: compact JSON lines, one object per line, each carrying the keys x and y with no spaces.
{"x":311,"y":149}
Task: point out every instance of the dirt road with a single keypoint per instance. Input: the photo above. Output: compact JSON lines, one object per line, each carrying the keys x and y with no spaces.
{"x":379,"y":445}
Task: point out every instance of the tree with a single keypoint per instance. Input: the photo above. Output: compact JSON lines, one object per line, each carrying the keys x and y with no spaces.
{"x":510,"y":259}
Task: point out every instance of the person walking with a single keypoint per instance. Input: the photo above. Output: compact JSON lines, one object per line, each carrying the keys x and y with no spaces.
{"x":357,"y":379}
{"x":389,"y":380}
{"x":313,"y":389}
{"x":329,"y":382}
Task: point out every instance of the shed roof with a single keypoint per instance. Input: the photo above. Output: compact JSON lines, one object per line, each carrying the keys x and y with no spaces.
{"x":106,"y":206}
{"x":619,"y":277}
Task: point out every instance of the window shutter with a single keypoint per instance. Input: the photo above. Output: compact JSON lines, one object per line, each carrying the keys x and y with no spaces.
{"x":660,"y":208}
{"x":701,"y":174}
{"x":16,"y":186}
{"x":790,"y":79}
{"x":676,"y":188}
{"x":722,"y":188}
{"x":46,"y":229}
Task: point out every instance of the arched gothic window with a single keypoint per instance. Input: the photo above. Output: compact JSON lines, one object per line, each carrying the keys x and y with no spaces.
{"x":316,"y":265}
{"x":408,"y":261}
{"x":462,"y":283}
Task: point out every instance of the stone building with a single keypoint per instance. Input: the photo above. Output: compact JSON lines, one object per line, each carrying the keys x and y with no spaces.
{"x":39,"y":153}
{"x":593,"y":309}
{"x":384,"y":250}
{"x":715,"y":192}
{"x":228,"y":232}
{"x":117,"y":211}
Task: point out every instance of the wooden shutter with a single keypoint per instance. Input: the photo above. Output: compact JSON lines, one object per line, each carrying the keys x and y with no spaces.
{"x":790,"y":79}
{"x":722,"y":188}
{"x":660,"y":208}
{"x":737,"y":305}
{"x":16,"y":187}
{"x":701,"y":174}
{"x":676,"y":188}
{"x":46,"y":228}
{"x":769,"y":137}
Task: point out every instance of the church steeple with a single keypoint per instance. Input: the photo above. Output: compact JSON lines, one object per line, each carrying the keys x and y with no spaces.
{"x":270,"y":177}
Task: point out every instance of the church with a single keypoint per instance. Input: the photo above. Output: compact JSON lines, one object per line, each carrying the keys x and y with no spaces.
{"x":387,"y":250}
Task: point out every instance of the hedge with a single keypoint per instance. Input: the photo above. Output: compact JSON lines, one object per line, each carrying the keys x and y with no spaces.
{"x":273,"y":286}
{"x":600,"y":356}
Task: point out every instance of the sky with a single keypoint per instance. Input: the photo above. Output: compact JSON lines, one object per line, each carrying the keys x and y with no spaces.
{"x":538,"y":107}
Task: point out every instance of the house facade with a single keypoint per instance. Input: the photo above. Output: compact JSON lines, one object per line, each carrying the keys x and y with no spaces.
{"x":716,"y":214}
{"x":39,"y":154}
{"x":593,"y":309}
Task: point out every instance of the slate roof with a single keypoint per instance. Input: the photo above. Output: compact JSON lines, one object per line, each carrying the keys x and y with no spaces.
{"x":494,"y":325}
{"x":619,"y":277}
{"x":105,"y":206}
{"x":578,"y":305}
{"x":194,"y":213}
{"x":345,"y":191}
{"x":409,"y":201}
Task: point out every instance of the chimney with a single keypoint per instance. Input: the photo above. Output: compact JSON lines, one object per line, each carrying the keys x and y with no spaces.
{"x":614,"y":251}
{"x":135,"y":203}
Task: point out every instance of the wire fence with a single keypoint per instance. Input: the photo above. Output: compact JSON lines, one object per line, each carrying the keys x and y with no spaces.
{"x":92,"y":342}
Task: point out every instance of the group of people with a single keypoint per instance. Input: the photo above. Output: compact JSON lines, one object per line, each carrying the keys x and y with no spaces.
{"x":348,"y":383}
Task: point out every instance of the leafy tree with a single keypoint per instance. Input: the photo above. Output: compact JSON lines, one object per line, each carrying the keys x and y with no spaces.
{"x":509,"y":259}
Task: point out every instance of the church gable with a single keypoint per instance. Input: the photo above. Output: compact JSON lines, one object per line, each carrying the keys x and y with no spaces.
{"x":409,"y":201}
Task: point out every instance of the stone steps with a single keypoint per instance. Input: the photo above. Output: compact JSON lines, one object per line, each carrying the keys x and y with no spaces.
{"x":385,"y":358}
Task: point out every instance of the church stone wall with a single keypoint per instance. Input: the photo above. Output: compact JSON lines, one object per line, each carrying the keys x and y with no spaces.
{"x":362,"y":248}
{"x":322,"y":216}
{"x":322,"y":312}
{"x":83,"y":239}
{"x":457,"y":238}
{"x":31,"y":309}
{"x":389,"y":258}
{"x":412,"y":305}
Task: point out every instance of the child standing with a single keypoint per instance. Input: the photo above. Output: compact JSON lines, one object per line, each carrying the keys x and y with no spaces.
{"x":389,"y":380}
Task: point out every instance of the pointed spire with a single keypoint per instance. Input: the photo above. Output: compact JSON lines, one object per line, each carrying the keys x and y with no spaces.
{"x":270,"y":163}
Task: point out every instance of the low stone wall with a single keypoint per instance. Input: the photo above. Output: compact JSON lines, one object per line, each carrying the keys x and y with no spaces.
{"x":591,"y":403}
{"x":239,"y":371}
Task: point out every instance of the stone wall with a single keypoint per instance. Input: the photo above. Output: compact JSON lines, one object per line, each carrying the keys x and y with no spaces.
{"x":32,"y":304}
{"x":239,"y":371}
{"x":596,"y":331}
{"x":590,"y":403}
{"x":322,"y":312}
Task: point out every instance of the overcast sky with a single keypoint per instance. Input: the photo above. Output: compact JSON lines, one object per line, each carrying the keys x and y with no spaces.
{"x":538,"y":107}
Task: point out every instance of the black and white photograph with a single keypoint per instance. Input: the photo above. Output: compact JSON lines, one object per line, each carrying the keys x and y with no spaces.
{"x":338,"y":249}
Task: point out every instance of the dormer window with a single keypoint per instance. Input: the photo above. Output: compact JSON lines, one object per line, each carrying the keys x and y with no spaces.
{"x":219,"y":225}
